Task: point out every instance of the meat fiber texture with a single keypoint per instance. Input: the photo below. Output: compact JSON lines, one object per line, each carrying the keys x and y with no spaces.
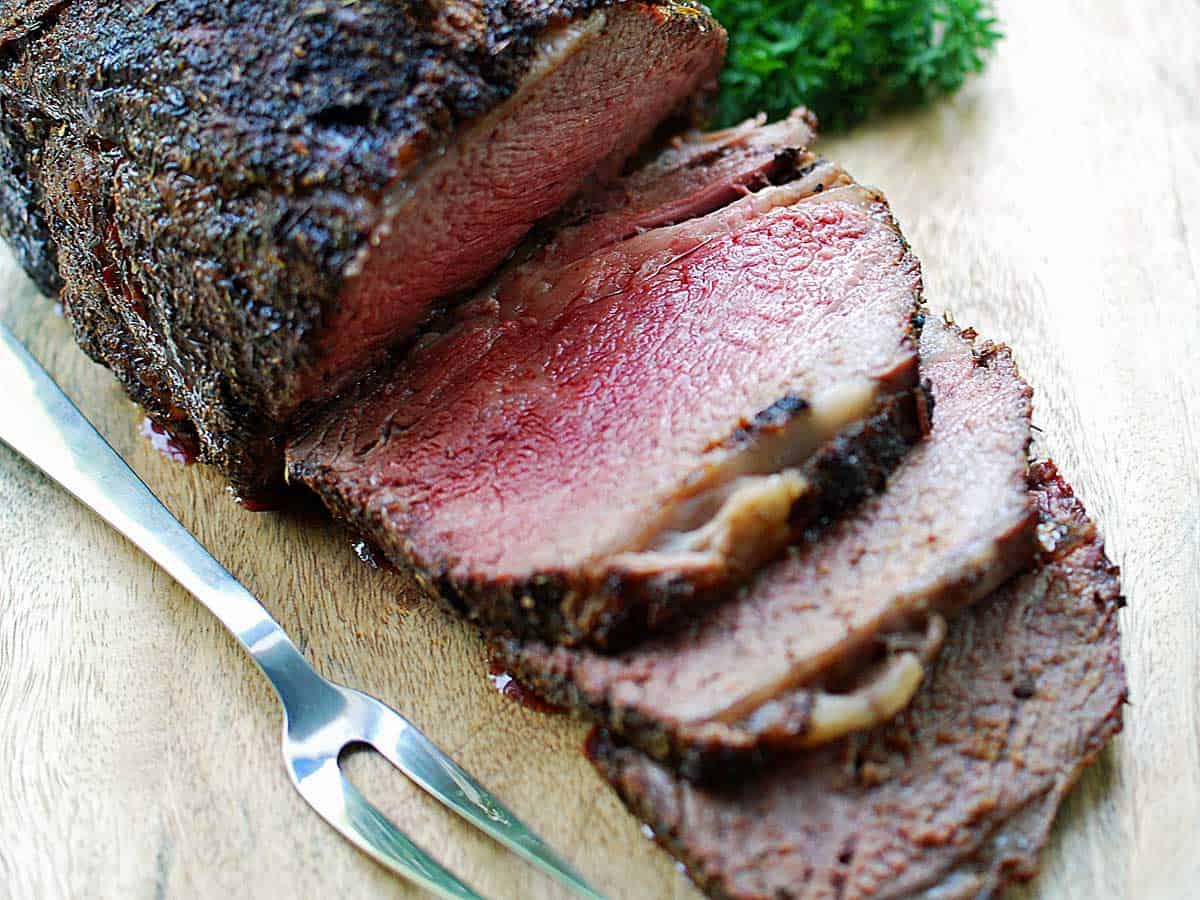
{"x":836,"y":636}
{"x":955,"y":797}
{"x":632,"y":420}
{"x":247,"y":202}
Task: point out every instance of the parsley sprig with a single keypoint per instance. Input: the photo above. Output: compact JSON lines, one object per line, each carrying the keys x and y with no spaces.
{"x":846,"y":59}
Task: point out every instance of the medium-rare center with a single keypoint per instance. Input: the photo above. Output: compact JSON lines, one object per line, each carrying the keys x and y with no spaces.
{"x":642,"y":411}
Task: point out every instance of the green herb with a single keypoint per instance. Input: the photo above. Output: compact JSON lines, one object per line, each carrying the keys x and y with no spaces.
{"x":845,"y":59}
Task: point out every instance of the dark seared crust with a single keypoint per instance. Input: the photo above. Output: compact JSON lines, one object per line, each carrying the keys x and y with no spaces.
{"x":21,"y":18}
{"x":859,"y":460}
{"x":384,"y":74}
{"x":22,"y":134}
{"x":954,"y":798}
{"x":117,"y":324}
{"x":627,"y":607}
{"x":241,"y":150}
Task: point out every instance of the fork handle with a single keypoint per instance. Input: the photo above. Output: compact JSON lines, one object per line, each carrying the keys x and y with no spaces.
{"x":43,"y":425}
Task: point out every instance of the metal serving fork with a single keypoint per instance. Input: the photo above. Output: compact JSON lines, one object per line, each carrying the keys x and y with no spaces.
{"x":320,"y":719}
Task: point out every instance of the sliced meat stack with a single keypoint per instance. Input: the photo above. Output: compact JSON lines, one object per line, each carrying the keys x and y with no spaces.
{"x":952,"y":799}
{"x":834,"y":637}
{"x":247,"y":203}
{"x":648,"y":407}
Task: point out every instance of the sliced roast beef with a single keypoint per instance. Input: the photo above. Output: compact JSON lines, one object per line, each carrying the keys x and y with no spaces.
{"x":698,"y":172}
{"x":251,"y":201}
{"x":835,"y":636}
{"x":631,"y":420}
{"x":952,"y":799}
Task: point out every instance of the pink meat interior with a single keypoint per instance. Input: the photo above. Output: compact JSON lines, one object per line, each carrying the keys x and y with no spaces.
{"x":550,"y":428}
{"x":597,"y":92}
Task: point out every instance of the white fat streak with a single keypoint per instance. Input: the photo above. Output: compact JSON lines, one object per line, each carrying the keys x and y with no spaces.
{"x":836,"y":715}
{"x":886,"y":692}
{"x":738,"y":515}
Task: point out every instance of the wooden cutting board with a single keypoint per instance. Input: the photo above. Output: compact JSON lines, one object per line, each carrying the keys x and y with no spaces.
{"x":1056,"y":206}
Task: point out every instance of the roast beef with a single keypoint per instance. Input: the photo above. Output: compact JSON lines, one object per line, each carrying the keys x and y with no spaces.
{"x":835,"y":636}
{"x":247,"y":202}
{"x":636,"y":417}
{"x":952,"y":799}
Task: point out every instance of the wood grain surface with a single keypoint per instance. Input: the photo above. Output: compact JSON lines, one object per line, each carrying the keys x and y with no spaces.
{"x":1055,"y":204}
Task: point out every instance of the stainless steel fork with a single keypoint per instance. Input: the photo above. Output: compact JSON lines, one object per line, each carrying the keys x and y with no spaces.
{"x":320,"y":719}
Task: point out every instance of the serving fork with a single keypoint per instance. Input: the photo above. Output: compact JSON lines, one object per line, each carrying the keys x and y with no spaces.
{"x":320,"y":718}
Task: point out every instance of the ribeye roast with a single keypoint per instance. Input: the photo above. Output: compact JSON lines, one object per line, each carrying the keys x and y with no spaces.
{"x":247,"y":202}
{"x":644,"y":409}
{"x":834,"y":637}
{"x":654,"y":398}
{"x":952,"y":799}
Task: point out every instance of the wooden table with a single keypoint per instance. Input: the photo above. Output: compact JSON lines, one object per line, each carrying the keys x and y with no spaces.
{"x":1056,"y":206}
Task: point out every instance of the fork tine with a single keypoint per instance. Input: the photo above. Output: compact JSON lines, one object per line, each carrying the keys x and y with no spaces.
{"x":341,"y":805}
{"x":405,"y":747}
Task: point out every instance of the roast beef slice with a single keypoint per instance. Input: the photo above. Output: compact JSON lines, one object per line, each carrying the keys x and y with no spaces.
{"x":835,"y":636}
